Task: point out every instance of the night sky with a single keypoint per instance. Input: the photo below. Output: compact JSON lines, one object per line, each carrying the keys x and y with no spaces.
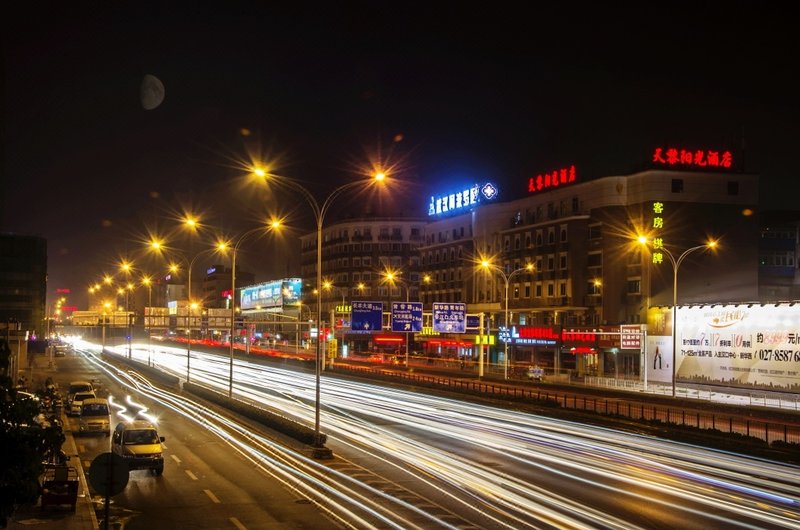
{"x":445,"y":94}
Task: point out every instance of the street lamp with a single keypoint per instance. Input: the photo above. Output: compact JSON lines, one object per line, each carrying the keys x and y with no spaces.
{"x":148,"y":282}
{"x":173,"y":267}
{"x":272,"y":225}
{"x":676,"y":263}
{"x":489,"y":266}
{"x":319,"y":215}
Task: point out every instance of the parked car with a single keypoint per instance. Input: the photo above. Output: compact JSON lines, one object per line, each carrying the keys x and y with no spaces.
{"x":77,"y":401}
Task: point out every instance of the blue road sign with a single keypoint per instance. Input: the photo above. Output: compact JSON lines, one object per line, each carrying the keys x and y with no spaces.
{"x":449,"y":318}
{"x":473,"y":321}
{"x":407,"y":316}
{"x":366,"y":316}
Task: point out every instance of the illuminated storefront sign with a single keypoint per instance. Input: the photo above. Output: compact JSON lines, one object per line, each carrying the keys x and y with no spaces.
{"x":658,"y":226}
{"x":462,"y":200}
{"x":552,"y":180}
{"x":672,"y":156}
{"x":631,"y":336}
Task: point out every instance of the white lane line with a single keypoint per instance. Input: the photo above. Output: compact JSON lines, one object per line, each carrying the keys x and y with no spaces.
{"x":176,"y":459}
{"x":212,"y":496}
{"x":237,"y":523}
{"x":191,"y":475}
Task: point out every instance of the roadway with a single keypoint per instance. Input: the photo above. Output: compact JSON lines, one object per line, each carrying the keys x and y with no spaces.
{"x":410,"y":460}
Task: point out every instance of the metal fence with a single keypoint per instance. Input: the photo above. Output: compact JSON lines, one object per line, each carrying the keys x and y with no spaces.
{"x":728,"y":423}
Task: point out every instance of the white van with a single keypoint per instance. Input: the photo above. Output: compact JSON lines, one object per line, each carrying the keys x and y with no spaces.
{"x":95,"y":416}
{"x":77,"y":401}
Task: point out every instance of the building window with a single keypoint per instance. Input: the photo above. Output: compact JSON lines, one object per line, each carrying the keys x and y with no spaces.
{"x":550,"y":290}
{"x":366,"y":276}
{"x":562,"y":289}
{"x":367,"y":261}
{"x":562,"y":262}
{"x":516,"y":242}
{"x":594,"y":232}
{"x":563,"y":234}
{"x":538,"y":238}
{"x":634,"y":286}
{"x":516,"y":292}
{"x":595,"y":259}
{"x":593,"y":287}
{"x":538,"y":290}
{"x":539,"y":264}
{"x":551,"y":263}
{"x":527,"y":291}
{"x":551,"y":236}
{"x":575,"y":205}
{"x":677,"y":185}
{"x":733,"y":187}
{"x":356,"y":262}
{"x":528,"y":241}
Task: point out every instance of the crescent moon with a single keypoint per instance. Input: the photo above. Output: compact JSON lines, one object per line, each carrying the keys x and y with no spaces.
{"x":151,"y":92}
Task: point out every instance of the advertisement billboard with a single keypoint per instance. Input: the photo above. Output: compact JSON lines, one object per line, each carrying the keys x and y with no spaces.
{"x":746,"y":345}
{"x":271,"y":295}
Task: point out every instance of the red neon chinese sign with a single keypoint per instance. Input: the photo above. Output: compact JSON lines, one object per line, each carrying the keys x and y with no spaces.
{"x":554,"y":179}
{"x":672,"y":156}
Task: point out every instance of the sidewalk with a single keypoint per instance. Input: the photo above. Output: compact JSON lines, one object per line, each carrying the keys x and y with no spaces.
{"x":58,"y":517}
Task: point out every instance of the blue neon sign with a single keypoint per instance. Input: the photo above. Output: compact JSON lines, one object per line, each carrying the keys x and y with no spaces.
{"x":462,"y":200}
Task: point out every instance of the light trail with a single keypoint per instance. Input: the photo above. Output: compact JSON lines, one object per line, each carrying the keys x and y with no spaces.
{"x":422,"y":437}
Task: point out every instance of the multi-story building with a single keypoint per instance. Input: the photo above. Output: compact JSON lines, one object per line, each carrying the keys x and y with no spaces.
{"x":357,"y":254}
{"x":23,"y":282}
{"x":778,"y":253}
{"x":589,"y":270}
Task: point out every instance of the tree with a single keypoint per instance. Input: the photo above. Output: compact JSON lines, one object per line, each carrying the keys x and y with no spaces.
{"x":24,"y":443}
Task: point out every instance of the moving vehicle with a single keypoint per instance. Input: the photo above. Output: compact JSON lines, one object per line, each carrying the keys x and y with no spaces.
{"x":95,"y":416}
{"x":77,"y":401}
{"x":138,"y":442}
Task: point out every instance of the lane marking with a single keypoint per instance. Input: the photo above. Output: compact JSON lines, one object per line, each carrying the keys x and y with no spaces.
{"x":212,"y":496}
{"x":191,"y":475}
{"x":176,"y":459}
{"x":237,"y":523}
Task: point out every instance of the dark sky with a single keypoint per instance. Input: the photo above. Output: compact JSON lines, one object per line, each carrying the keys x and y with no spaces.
{"x":449,"y":94}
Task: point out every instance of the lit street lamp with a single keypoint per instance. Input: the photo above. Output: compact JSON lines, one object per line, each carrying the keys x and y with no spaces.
{"x":148,"y":282}
{"x":190,"y":305}
{"x":319,"y":215}
{"x":489,"y":266}
{"x":273,"y":225}
{"x":676,"y":263}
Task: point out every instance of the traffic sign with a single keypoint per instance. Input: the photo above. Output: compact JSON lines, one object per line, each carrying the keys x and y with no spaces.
{"x":407,"y":316}
{"x":108,"y":474}
{"x":366,"y":316}
{"x":449,"y":318}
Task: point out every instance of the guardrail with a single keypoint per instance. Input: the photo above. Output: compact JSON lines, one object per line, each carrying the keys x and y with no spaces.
{"x":726,"y":423}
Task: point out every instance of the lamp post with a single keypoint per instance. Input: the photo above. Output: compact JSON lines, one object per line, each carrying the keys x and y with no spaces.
{"x":234,"y":249}
{"x":319,"y":215}
{"x":676,"y":263}
{"x":148,"y":282}
{"x":488,"y":265}
{"x":328,"y":286}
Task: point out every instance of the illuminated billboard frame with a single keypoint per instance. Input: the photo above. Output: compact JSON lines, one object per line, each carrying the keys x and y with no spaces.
{"x":271,"y":295}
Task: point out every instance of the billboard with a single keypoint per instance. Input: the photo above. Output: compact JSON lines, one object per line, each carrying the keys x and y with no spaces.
{"x":271,"y":295}
{"x":746,"y":345}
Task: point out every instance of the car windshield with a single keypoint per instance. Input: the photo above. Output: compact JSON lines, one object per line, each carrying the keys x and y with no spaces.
{"x":79,"y":388}
{"x":81,"y":397}
{"x":95,"y":409}
{"x":140,"y":436}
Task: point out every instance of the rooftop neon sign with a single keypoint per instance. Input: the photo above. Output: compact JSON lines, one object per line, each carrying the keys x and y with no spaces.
{"x":551,"y":180}
{"x":463,"y":200}
{"x":672,"y":156}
